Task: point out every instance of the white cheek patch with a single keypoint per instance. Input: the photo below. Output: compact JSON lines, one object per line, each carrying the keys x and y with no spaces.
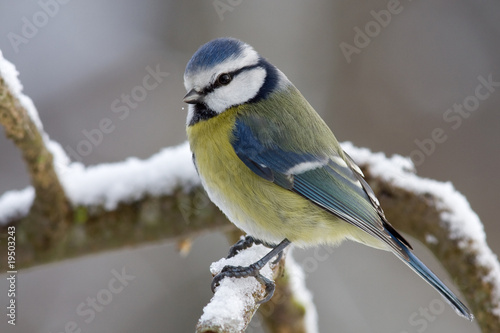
{"x":199,"y":80}
{"x":244,"y":87}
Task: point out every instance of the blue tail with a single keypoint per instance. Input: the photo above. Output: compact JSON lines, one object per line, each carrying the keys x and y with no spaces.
{"x":425,"y":273}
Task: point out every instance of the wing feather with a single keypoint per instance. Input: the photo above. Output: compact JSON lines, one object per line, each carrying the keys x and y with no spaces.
{"x":331,"y":181}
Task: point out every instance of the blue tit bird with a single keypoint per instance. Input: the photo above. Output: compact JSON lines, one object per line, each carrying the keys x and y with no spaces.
{"x":274,"y":168}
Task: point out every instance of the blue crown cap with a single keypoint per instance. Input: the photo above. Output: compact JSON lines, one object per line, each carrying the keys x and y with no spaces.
{"x":213,"y":53}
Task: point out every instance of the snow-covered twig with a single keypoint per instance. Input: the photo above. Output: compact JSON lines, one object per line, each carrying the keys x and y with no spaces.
{"x":23,"y":126}
{"x":292,"y":308}
{"x":116,"y":205}
{"x":441,"y":218}
{"x":236,"y":299}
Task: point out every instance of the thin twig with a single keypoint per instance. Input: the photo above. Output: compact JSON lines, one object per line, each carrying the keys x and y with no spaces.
{"x":237,"y":299}
{"x":54,"y":230}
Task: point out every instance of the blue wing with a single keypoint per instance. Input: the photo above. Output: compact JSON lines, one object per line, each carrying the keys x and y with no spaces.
{"x":325,"y":178}
{"x":337,"y":185}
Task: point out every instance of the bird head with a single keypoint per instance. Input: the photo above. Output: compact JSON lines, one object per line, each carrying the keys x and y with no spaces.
{"x":226,"y":72}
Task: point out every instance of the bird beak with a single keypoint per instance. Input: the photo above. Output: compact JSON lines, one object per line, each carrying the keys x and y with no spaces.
{"x":193,"y":97}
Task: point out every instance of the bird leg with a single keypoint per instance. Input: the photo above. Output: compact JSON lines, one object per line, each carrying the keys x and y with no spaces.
{"x":253,"y":269}
{"x":245,"y":243}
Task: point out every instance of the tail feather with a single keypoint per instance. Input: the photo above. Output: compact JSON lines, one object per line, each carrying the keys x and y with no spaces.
{"x":425,"y":273}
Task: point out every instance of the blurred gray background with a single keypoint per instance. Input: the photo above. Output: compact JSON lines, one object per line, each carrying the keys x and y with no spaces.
{"x":394,"y":89}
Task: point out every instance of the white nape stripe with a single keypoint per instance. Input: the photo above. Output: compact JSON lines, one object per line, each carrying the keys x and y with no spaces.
{"x":305,"y":166}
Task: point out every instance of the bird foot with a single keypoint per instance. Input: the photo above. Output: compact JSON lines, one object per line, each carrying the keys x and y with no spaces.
{"x":241,"y":245}
{"x":247,"y":242}
{"x":240,"y":272}
{"x":253,"y":269}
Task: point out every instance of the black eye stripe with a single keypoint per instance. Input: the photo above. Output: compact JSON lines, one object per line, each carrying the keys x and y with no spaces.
{"x":233,"y":74}
{"x":243,"y":69}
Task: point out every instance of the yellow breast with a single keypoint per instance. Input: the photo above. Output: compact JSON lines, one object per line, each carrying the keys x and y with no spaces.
{"x":255,"y":205}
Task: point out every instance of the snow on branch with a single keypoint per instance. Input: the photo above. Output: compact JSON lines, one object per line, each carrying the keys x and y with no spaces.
{"x":104,"y":185}
{"x":297,"y":282}
{"x":441,"y":218}
{"x":236,"y":299}
{"x":292,"y":308}
{"x":111,"y":184}
{"x":71,"y":210}
{"x":15,"y":204}
{"x":23,"y":126}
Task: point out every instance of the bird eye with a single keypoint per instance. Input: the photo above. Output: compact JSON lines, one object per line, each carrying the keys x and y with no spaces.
{"x":224,"y":79}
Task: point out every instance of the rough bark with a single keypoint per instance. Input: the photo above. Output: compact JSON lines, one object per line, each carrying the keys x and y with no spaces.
{"x":54,"y":230}
{"x":50,"y":213}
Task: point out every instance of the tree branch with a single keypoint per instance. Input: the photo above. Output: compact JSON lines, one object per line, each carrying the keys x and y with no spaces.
{"x":235,"y":300}
{"x":49,"y":212}
{"x":430,"y":211}
{"x":291,"y":309}
{"x":421,"y":217}
{"x":95,"y":229}
{"x":440,"y":218}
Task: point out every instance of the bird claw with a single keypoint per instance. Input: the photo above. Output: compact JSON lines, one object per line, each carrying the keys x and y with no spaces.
{"x":239,"y":272}
{"x":247,"y":242}
{"x":241,"y":245}
{"x":270,"y":287}
{"x":253,"y":269}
